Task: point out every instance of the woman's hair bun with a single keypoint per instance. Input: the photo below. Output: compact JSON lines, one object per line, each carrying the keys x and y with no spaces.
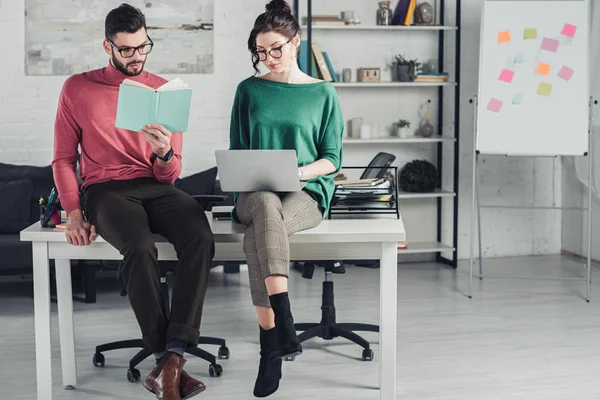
{"x":279,"y":5}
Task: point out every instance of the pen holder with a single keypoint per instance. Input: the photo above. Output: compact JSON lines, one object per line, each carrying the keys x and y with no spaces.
{"x":49,"y":216}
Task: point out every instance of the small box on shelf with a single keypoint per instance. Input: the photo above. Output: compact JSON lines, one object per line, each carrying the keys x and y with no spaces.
{"x":369,"y":75}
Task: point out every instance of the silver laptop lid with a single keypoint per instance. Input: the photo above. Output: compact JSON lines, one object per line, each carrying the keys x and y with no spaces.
{"x":258,"y":170}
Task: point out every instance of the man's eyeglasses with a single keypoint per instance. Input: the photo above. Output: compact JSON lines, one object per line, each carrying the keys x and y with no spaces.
{"x":128,"y":52}
{"x":275,"y":52}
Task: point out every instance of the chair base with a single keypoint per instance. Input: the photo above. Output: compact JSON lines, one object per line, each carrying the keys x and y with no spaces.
{"x":133,"y":374}
{"x":329,"y":329}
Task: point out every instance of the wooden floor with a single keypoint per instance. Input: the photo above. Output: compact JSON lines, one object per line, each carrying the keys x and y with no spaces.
{"x":516,"y":339}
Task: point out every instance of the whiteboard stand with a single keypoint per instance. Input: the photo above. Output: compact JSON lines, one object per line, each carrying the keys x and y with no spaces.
{"x":476,"y":208}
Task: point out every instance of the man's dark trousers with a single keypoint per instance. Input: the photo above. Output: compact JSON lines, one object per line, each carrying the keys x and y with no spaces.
{"x":126,"y":214}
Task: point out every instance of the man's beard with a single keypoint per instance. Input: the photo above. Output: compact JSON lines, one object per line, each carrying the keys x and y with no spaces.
{"x":123,"y":67}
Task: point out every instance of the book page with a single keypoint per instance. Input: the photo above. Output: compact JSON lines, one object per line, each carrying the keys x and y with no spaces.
{"x":175,"y":84}
{"x":137,"y":84}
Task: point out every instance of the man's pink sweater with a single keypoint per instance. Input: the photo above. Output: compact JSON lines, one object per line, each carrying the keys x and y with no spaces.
{"x":86,"y":116}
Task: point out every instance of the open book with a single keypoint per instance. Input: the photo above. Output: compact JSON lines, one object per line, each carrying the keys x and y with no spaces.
{"x":139,"y":105}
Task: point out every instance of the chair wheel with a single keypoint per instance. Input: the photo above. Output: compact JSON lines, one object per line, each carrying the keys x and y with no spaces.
{"x":289,"y":358}
{"x":98,"y":360}
{"x":223,"y":353}
{"x":133,"y":375}
{"x":215,"y":370}
{"x":367,"y":355}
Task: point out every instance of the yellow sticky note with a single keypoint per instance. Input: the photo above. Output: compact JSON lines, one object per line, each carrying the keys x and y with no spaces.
{"x":504,"y":37}
{"x":530,"y":33}
{"x":543,"y":69}
{"x":544,"y":89}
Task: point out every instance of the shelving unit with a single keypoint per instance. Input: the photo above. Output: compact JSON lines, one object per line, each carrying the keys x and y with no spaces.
{"x":382,"y":28}
{"x":449,"y":141}
{"x":390,"y":84}
{"x":396,"y":140}
{"x":437,"y":193}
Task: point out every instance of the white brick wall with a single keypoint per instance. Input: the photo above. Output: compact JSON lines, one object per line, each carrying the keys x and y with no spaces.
{"x":28,"y":105}
{"x":29,"y":102}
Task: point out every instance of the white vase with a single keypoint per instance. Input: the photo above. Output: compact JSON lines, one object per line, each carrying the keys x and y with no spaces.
{"x":365,"y":132}
{"x":403,"y":132}
{"x":375,"y":131}
{"x":354,"y":127}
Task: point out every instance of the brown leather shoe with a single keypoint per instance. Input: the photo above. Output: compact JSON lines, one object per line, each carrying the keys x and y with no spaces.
{"x":189,"y":387}
{"x":164,"y":380}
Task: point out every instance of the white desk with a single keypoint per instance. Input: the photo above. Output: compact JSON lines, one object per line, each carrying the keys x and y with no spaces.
{"x":331,"y":240}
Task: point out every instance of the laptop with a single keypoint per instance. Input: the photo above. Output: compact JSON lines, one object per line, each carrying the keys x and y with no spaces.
{"x":258,"y":170}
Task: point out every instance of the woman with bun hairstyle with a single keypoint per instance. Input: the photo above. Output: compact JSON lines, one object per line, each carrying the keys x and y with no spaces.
{"x":281,"y":110}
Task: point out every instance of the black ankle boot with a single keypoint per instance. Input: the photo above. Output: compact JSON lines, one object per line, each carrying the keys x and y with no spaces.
{"x":284,"y":323}
{"x":269,"y":369}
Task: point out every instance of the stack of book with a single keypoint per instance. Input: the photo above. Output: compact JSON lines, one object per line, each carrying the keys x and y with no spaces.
{"x":327,"y":20}
{"x":432,"y":77}
{"x":321,"y":67}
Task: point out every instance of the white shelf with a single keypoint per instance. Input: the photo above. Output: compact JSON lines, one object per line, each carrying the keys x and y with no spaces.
{"x":383,"y":28}
{"x":391,"y":140}
{"x":425,"y":247}
{"x":391,"y":84}
{"x":437,"y":193}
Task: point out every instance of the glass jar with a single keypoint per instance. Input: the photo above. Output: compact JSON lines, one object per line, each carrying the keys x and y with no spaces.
{"x":384,"y":13}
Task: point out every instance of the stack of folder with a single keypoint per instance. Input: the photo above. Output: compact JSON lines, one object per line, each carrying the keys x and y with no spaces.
{"x":368,"y":193}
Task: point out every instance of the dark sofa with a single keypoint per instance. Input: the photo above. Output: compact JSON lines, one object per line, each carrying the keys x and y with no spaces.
{"x":20,"y":190}
{"x":21,"y":186}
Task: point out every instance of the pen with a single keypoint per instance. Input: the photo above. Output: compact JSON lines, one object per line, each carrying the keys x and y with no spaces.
{"x":51,"y":197}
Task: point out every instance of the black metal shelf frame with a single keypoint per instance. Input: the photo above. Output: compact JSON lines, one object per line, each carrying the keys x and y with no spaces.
{"x":453,"y":261}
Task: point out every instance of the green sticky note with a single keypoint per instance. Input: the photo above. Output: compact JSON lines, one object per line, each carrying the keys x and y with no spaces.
{"x":530,"y":33}
{"x":544,"y":89}
{"x":518,"y":58}
{"x":517,"y":99}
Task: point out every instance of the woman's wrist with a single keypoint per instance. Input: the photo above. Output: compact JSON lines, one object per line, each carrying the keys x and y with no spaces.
{"x":300,"y":174}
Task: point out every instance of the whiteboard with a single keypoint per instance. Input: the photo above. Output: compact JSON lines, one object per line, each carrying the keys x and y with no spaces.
{"x":533,"y":94}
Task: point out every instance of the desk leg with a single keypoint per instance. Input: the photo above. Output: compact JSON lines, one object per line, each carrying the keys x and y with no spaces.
{"x":388,"y":317}
{"x":64,"y":297}
{"x":41,"y":305}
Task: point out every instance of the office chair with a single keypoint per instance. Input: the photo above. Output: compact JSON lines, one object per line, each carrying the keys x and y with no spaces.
{"x":329,"y":328}
{"x":378,"y":166}
{"x":133,"y":374}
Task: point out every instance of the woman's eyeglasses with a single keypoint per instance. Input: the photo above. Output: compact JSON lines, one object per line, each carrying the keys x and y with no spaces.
{"x":276,"y":52}
{"x":128,"y":52}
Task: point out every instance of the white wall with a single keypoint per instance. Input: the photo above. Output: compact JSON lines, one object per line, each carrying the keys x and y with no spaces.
{"x":574,"y":185}
{"x":28,"y":105}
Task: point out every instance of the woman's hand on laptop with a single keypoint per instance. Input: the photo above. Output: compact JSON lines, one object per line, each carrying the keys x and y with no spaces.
{"x":158,"y":137}
{"x":318,"y":168}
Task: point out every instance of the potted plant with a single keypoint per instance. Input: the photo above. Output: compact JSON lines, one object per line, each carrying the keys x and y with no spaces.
{"x":404,"y":70}
{"x":401,"y":128}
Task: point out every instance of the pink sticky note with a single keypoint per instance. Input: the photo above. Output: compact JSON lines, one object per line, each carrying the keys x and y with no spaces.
{"x":569,"y":30}
{"x":550,"y":44}
{"x":506,"y":75}
{"x":494,"y":105}
{"x":566,"y":73}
